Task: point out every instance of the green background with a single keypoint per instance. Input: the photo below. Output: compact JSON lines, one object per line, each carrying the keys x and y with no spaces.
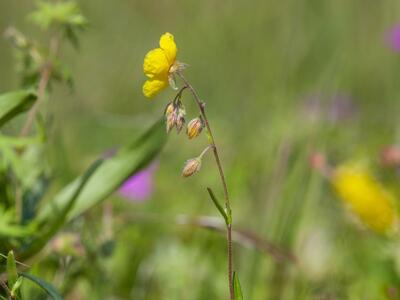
{"x":256,"y":64}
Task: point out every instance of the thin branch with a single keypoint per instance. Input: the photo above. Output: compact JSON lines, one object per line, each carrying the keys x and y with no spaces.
{"x":241,"y":236}
{"x":45,"y":75}
{"x":16,"y":261}
{"x":44,"y":80}
{"x":179,"y":94}
{"x":201,"y":106}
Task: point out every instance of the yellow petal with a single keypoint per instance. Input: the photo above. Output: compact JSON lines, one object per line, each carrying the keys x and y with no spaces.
{"x":153,"y":86}
{"x":155,"y":63}
{"x":167,"y":43}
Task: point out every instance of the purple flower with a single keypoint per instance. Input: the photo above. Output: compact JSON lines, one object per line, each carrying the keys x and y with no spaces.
{"x":394,"y":38}
{"x":139,"y":187}
{"x":341,"y":107}
{"x":334,"y":107}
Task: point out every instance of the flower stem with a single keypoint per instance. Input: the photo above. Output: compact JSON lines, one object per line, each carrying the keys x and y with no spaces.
{"x":44,"y":80}
{"x":205,"y":151}
{"x":213,"y":145}
{"x":45,"y":75}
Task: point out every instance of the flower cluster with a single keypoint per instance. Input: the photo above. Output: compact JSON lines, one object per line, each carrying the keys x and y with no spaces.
{"x":160,"y":66}
{"x":175,"y":116}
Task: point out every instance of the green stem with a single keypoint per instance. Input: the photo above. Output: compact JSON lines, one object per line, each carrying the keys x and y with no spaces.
{"x":201,"y":106}
{"x":45,"y":75}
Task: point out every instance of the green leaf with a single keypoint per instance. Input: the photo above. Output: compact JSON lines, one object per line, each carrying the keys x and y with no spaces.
{"x":227,"y":218}
{"x":18,"y":142}
{"x":14,"y":103}
{"x":8,"y":228}
{"x":111,"y":174}
{"x":16,"y":286}
{"x":12,"y":275}
{"x":72,"y":36}
{"x":47,"y":287}
{"x":59,"y":219}
{"x":237,"y":289}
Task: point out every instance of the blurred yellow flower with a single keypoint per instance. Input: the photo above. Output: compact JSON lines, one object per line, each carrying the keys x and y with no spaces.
{"x":158,"y":65}
{"x":365,"y":197}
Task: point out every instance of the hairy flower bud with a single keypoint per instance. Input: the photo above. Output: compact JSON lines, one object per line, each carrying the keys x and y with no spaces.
{"x":180,"y":122}
{"x":194,"y":128}
{"x":170,"y":122}
{"x":180,"y":118}
{"x":175,"y":116}
{"x":191,"y":167}
{"x":169,"y":109}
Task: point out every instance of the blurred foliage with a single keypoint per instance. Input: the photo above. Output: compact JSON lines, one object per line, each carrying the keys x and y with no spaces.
{"x":58,"y":14}
{"x":25,"y":168}
{"x":275,"y":75}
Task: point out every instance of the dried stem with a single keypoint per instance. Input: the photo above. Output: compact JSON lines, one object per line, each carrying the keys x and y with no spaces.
{"x":213,"y":145}
{"x":242,"y":236}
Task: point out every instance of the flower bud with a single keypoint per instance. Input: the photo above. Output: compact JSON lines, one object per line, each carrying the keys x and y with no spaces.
{"x":170,"y":122}
{"x":180,"y":118}
{"x":194,"y":128}
{"x":180,"y":122}
{"x":175,"y":116}
{"x":191,"y":167}
{"x":169,"y":109}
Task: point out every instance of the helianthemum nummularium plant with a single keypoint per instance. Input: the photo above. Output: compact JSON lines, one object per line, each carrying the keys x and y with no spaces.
{"x":162,"y":68}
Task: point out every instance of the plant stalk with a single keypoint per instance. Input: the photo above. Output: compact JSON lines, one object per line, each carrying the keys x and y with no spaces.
{"x":214,"y":147}
{"x":45,"y":75}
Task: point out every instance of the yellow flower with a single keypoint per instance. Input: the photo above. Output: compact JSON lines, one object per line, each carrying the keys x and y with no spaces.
{"x":365,"y":197}
{"x":157,"y":65}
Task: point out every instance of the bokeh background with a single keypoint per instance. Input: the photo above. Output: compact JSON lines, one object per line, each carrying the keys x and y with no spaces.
{"x":282,"y":80}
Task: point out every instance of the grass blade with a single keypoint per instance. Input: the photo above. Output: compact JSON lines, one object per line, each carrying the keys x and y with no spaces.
{"x":14,"y":103}
{"x":219,"y":206}
{"x":12,"y":275}
{"x":111,"y":174}
{"x":47,"y":287}
{"x":236,"y":287}
{"x":60,"y":218}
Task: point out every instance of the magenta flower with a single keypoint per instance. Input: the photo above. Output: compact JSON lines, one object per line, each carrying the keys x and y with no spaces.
{"x":139,"y":187}
{"x":394,"y":38}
